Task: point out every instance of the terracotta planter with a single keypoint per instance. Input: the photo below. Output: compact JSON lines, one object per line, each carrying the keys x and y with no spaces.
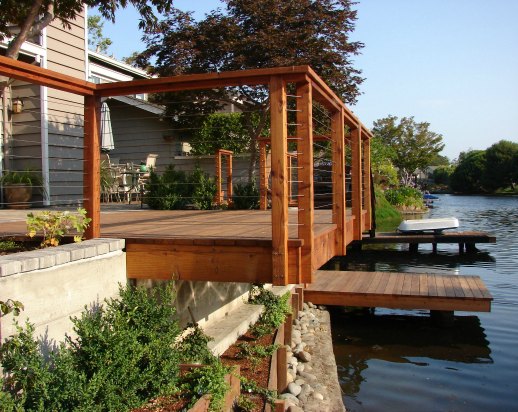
{"x":18,"y":196}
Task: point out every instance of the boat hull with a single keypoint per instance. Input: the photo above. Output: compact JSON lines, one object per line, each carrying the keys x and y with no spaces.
{"x":428,"y":225}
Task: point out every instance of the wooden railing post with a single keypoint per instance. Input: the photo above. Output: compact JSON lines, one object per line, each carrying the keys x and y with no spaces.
{"x":356,"y":176}
{"x":92,"y":165}
{"x":367,"y":182}
{"x":338,"y":176}
{"x":305,"y":178}
{"x":279,"y":147}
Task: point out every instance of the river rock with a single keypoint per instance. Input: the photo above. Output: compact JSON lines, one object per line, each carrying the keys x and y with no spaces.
{"x":308,"y":376}
{"x":318,"y":396}
{"x":293,"y":408}
{"x":303,"y":356}
{"x":290,"y":398}
{"x":294,"y":388}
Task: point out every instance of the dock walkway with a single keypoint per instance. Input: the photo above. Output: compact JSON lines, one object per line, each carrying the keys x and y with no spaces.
{"x":399,"y":291}
{"x":465,"y":240}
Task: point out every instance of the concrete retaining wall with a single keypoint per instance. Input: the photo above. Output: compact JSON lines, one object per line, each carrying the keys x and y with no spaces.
{"x":209,"y":301}
{"x":56,"y":283}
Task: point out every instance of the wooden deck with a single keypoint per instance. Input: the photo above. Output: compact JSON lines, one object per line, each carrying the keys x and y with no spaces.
{"x":205,"y":245}
{"x":399,"y":291}
{"x":229,"y":246}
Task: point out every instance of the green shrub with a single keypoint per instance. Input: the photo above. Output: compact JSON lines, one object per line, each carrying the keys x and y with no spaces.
{"x":177,"y":189}
{"x":246,"y":196}
{"x":254,"y":353}
{"x":192,"y":346}
{"x":276,"y":308}
{"x":387,"y":216}
{"x":53,"y":225}
{"x":121,"y":357}
{"x":210,"y":380}
{"x":405,"y":197}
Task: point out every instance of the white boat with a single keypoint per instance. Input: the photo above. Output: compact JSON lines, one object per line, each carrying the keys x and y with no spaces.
{"x":428,"y":225}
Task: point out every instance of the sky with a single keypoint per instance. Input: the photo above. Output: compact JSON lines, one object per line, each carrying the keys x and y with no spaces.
{"x":451,"y":63}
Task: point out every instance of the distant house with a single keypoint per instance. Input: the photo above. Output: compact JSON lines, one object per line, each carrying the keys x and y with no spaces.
{"x":47,"y":135}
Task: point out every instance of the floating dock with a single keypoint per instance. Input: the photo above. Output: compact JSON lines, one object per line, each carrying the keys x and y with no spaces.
{"x":399,"y":291}
{"x":465,"y":240}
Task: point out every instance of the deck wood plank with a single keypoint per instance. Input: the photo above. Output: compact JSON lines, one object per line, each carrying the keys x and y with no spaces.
{"x":432,"y":286}
{"x":398,"y":290}
{"x":457,"y":287}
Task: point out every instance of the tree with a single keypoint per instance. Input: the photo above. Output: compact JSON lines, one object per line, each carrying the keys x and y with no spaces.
{"x":383,"y":170}
{"x":254,"y":34}
{"x":96,"y":40}
{"x":440,"y":160}
{"x":501,"y":165}
{"x":414,"y":145}
{"x":23,"y":19}
{"x":441,"y":175}
{"x":220,"y":131}
{"x":468,"y":175}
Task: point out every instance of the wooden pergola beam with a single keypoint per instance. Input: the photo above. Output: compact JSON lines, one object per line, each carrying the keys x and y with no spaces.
{"x":45,"y":77}
{"x":201,"y":81}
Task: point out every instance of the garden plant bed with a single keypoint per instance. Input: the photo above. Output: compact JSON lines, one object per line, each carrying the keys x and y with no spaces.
{"x":9,"y":246}
{"x":259,"y":373}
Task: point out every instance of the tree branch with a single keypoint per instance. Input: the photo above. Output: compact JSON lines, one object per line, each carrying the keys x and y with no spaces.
{"x":43,"y":22}
{"x":13,"y":50}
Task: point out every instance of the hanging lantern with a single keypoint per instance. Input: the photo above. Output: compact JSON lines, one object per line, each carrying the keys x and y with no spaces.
{"x":17,"y":106}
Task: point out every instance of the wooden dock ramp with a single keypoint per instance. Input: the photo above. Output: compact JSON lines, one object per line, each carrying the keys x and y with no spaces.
{"x":399,"y":291}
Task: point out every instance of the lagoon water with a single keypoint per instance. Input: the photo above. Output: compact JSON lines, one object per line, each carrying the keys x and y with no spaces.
{"x":395,"y":360}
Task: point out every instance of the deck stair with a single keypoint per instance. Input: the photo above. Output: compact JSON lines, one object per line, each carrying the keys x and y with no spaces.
{"x":399,"y":291}
{"x":227,"y":330}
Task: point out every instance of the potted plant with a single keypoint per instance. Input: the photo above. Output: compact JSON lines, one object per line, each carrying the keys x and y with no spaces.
{"x":18,"y":187}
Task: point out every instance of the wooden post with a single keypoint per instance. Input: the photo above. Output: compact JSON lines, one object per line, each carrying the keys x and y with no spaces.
{"x":219,"y":192}
{"x":229,"y":177}
{"x":263,"y":179}
{"x":367,"y":182}
{"x":219,"y":198}
{"x":282,"y":369}
{"x":279,"y":147}
{"x":92,"y":165}
{"x":300,"y":292}
{"x":356,"y":176}
{"x":306,"y":188}
{"x":288,"y":329}
{"x":338,"y":176}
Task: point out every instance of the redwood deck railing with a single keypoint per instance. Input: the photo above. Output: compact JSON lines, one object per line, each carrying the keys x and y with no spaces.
{"x":309,"y":89}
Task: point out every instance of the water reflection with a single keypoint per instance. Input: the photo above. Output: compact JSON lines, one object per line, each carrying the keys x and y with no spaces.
{"x":362,"y":336}
{"x":399,"y":361}
{"x":403,"y":261}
